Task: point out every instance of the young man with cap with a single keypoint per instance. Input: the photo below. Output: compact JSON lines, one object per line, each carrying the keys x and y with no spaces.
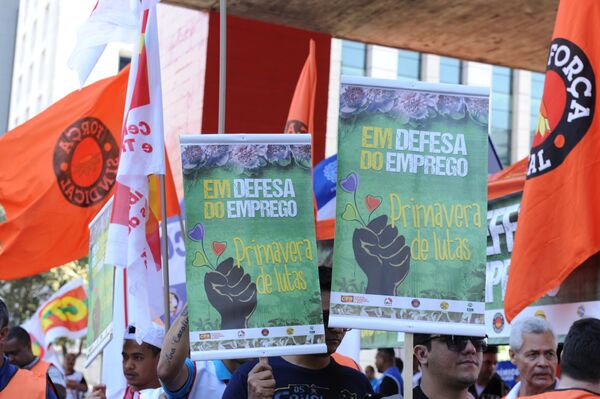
{"x":16,"y":382}
{"x":449,"y":363}
{"x":139,"y":366}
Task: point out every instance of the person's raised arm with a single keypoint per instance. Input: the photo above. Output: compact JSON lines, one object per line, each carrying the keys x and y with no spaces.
{"x":176,"y":347}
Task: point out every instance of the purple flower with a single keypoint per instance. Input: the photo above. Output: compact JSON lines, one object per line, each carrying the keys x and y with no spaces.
{"x":416,"y":106}
{"x":218,"y":155}
{"x":248,"y":157}
{"x":353,"y":101}
{"x":279,"y":154}
{"x":381,"y":100}
{"x":350,"y":183}
{"x":302,"y":154}
{"x":197,"y":233}
{"x":451,"y":106}
{"x":193,"y":156}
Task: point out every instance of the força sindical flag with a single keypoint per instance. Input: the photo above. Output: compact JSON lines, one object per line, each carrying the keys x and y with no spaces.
{"x":558,"y":222}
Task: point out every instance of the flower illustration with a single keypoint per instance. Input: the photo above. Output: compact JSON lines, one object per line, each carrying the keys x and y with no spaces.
{"x":381,"y":100}
{"x":353,"y":101}
{"x":302,"y":154}
{"x":279,"y":154}
{"x":416,"y":106}
{"x":451,"y":106}
{"x":478,"y":109}
{"x":248,"y":158}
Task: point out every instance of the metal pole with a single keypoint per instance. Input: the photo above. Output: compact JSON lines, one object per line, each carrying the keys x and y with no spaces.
{"x":222,"y":63}
{"x":164,"y":253}
{"x":408,"y":365}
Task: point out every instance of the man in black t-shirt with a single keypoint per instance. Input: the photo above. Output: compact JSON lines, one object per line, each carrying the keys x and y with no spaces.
{"x":489,"y":384}
{"x":303,"y":376}
{"x":449,"y":363}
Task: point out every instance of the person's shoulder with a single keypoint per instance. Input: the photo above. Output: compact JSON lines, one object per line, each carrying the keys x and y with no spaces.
{"x":572,"y":393}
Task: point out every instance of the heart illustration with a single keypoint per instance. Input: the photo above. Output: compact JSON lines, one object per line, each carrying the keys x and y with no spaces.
{"x":372,"y":202}
{"x":218,"y":247}
{"x":349,"y":212}
{"x":350,"y":183}
{"x":197,"y":233}
{"x":200,"y":259}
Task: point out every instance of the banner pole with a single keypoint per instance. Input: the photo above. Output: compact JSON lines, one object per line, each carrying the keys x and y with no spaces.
{"x":164,"y":250}
{"x":408,"y":365}
{"x":222,"y":62}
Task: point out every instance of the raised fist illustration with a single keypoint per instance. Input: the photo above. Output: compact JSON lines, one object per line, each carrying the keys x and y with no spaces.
{"x":382,"y":254}
{"x":232,"y":293}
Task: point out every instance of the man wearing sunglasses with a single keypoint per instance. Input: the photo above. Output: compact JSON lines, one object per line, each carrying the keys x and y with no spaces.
{"x":449,"y":363}
{"x":302,"y":376}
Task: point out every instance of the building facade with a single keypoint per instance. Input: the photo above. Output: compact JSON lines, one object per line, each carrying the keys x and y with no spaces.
{"x":46,"y":36}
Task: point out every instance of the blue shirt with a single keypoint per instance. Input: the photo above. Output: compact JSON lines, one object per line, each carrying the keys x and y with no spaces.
{"x":295,"y":381}
{"x":7,"y":372}
{"x":202,"y":380}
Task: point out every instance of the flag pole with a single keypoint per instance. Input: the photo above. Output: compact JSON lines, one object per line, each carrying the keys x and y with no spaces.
{"x":222,"y":62}
{"x":164,"y":251}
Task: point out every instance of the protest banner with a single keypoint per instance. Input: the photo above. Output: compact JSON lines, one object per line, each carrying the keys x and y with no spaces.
{"x":371,"y":339}
{"x":251,"y":262}
{"x":100,"y":286}
{"x":577,"y":297}
{"x":410,"y":228}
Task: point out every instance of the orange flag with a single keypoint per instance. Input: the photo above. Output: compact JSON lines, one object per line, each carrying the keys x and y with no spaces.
{"x":560,"y":211}
{"x":57,"y":170}
{"x":302,"y":110}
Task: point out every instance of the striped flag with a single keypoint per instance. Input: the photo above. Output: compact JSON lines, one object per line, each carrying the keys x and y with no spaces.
{"x":133,"y":238}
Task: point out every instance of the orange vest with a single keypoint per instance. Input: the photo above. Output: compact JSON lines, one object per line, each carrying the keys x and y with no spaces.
{"x":24,"y":384}
{"x":41,"y":369}
{"x":568,"y":394}
{"x":345,"y":361}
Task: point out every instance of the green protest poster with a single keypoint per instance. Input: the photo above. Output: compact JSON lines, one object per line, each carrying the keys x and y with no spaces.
{"x":577,"y":297}
{"x":251,"y":257}
{"x":411,"y":203}
{"x":371,"y":339}
{"x":100,"y":286}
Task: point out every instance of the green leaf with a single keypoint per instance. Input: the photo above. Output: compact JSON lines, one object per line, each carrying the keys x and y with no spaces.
{"x":200,"y":260}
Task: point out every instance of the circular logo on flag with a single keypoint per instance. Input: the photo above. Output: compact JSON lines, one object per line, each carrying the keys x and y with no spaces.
{"x":86,"y":158}
{"x":498,"y":323}
{"x":567,"y":107}
{"x":415,"y":303}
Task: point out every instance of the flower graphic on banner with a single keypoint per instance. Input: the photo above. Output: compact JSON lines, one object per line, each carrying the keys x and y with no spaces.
{"x":409,"y":106}
{"x":228,"y":287}
{"x":380,"y":251}
{"x":243,"y":159}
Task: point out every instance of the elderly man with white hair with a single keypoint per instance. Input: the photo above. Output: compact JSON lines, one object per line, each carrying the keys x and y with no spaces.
{"x":533,"y":350}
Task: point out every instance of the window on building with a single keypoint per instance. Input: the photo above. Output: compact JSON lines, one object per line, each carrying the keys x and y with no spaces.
{"x":537,"y":90}
{"x":450,"y":70}
{"x":409,"y":65}
{"x":124,"y":60}
{"x":501,"y":113}
{"x":354,"y":58}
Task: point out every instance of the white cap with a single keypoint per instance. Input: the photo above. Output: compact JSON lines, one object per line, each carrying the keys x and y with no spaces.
{"x":154,"y":336}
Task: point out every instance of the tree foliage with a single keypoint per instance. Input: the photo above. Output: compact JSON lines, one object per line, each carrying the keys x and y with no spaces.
{"x":24,"y":296}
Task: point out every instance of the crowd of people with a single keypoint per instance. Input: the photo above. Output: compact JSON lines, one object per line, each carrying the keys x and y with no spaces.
{"x":447,"y":367}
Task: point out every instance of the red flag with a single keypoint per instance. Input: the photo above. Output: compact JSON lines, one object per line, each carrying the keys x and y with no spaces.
{"x":560,"y":213}
{"x":508,"y":180}
{"x":302,"y":110}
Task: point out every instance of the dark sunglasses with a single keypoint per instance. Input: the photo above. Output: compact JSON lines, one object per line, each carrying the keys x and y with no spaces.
{"x":458,"y":343}
{"x":326,"y":321}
